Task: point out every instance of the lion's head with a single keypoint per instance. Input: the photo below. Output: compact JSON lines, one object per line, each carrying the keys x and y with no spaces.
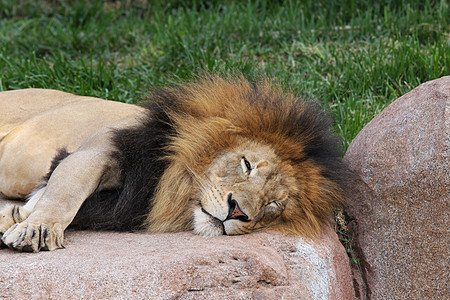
{"x":244,"y":157}
{"x":244,"y":189}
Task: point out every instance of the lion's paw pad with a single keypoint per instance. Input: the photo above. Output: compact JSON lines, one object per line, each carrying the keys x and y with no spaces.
{"x":29,"y":237}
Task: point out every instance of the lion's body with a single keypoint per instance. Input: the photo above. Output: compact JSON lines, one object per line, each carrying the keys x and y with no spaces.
{"x":219,"y":156}
{"x":36,"y":123}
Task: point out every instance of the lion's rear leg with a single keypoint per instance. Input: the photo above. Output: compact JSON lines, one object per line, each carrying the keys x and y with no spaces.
{"x":13,"y":214}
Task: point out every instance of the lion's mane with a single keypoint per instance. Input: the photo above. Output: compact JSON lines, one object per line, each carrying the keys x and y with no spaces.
{"x":187,"y":126}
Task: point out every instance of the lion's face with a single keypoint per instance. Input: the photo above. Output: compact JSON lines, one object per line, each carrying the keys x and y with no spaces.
{"x":243,"y":190}
{"x":243,"y":157}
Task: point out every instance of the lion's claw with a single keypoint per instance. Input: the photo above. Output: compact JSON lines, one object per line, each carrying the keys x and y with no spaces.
{"x":30,"y":237}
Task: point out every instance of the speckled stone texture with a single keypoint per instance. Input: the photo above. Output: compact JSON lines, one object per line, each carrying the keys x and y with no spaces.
{"x":400,"y":198}
{"x":113,"y":265}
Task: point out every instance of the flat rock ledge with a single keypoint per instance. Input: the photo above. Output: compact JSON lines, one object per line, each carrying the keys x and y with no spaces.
{"x":113,"y":265}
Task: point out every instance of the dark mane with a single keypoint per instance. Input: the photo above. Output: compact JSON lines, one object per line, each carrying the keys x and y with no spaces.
{"x":139,"y":153}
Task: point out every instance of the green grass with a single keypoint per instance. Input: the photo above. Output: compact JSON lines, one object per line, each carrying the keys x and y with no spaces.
{"x":355,"y":57}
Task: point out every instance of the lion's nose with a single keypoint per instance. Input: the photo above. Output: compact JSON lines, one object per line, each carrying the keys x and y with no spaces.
{"x":234,"y":211}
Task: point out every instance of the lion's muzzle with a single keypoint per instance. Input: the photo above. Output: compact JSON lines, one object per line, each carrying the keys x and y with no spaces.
{"x":234,"y":213}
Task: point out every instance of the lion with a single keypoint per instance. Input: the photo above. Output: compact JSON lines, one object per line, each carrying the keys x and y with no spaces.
{"x":216,"y":155}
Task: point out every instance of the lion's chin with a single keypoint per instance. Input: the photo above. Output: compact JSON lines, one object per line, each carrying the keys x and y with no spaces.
{"x":206,"y":225}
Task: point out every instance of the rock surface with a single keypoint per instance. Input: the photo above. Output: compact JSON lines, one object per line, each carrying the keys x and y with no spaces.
{"x":400,"y":198}
{"x":98,"y":265}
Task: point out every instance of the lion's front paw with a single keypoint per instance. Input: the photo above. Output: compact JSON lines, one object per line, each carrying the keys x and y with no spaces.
{"x":27,"y":236}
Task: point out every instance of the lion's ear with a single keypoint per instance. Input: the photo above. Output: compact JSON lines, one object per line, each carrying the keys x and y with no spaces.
{"x":262,"y":164}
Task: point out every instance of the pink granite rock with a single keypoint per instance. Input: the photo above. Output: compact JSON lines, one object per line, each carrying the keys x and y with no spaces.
{"x":99,"y":265}
{"x":400,"y":198}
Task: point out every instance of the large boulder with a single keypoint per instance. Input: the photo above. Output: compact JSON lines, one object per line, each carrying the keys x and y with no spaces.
{"x":99,"y":265}
{"x":400,"y":196}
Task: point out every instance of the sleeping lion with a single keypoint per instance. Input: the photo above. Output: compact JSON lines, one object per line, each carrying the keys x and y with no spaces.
{"x":219,"y":156}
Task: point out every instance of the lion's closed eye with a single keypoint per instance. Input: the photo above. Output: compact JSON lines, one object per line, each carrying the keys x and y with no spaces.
{"x":273,"y":210}
{"x":274,"y":204}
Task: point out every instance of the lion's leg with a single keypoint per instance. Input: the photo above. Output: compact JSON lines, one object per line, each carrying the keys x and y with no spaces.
{"x":43,"y":229}
{"x":75,"y":178}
